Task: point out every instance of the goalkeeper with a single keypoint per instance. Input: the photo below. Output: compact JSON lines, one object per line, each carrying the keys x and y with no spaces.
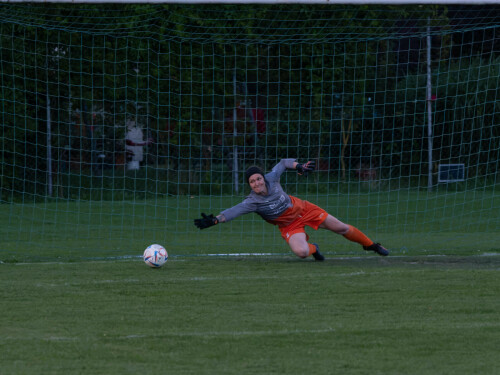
{"x":289,"y":213}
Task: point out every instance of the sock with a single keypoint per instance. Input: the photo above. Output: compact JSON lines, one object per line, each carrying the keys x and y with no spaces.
{"x":355,"y":235}
{"x":312,"y":249}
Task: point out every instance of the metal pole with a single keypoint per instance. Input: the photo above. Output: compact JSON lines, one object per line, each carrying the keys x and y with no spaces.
{"x":429,"y":104}
{"x":49,"y":145}
{"x":235,"y":134}
{"x":307,"y":2}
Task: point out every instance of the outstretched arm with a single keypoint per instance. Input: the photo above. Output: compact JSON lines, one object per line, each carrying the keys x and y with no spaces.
{"x":229,"y":214}
{"x":302,"y":169}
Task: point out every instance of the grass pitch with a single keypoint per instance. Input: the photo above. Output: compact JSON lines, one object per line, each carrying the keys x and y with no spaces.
{"x":406,"y":222}
{"x":252,"y":315}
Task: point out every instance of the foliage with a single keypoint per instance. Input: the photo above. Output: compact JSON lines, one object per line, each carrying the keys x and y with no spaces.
{"x":172,"y":69}
{"x":465,"y":114}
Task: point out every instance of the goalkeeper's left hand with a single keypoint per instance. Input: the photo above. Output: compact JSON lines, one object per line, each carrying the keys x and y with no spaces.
{"x":304,"y":169}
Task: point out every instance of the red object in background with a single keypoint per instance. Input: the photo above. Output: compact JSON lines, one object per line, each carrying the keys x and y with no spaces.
{"x":367,"y":174}
{"x":259,"y":118}
{"x":170,"y":129}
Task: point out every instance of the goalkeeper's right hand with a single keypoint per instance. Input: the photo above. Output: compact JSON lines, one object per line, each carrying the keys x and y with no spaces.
{"x":304,"y":169}
{"x":206,"y":221}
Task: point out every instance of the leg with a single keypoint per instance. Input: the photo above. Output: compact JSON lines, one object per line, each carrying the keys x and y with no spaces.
{"x":300,"y":247}
{"x":335,"y":225}
{"x":298,"y":244}
{"x":352,"y":234}
{"x":348,"y":231}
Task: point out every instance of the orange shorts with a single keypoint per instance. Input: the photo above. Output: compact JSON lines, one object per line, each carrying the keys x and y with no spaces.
{"x":305,"y":214}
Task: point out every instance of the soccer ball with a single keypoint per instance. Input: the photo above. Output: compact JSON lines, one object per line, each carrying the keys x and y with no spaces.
{"x":155,"y":256}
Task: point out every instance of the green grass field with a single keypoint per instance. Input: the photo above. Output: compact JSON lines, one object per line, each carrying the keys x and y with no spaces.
{"x":408,"y":222}
{"x":77,"y":299}
{"x":252,"y":315}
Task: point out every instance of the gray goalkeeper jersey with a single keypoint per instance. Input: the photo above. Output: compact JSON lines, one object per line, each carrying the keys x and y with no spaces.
{"x":269,"y":206}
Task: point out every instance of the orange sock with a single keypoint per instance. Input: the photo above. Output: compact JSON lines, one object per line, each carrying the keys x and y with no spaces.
{"x":312,"y":249}
{"x":355,"y":235}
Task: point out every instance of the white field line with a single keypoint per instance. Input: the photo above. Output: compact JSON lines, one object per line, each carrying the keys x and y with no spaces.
{"x":271,"y":277}
{"x":216,"y":334}
{"x":208,"y":334}
{"x":91,"y":282}
{"x":203,"y":279}
{"x":283,"y":332}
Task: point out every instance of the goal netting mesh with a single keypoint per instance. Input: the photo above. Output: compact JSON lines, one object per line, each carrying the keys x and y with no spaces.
{"x":120,"y":124}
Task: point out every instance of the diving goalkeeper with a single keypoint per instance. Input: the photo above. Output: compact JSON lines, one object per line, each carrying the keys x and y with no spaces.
{"x":289,"y":213}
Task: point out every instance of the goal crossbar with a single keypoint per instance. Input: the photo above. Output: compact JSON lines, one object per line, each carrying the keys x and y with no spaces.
{"x":309,"y":2}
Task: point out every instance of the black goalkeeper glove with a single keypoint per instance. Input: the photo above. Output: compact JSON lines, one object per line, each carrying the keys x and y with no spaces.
{"x":206,"y":221}
{"x":304,"y":169}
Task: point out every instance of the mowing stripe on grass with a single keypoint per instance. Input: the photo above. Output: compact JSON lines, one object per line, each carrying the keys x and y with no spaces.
{"x":284,"y":332}
{"x":180,"y":258}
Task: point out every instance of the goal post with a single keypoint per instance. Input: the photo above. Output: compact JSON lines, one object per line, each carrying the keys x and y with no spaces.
{"x":123,"y":123}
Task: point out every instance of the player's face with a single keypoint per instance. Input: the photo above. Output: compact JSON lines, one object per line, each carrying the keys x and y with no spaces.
{"x":258,"y":184}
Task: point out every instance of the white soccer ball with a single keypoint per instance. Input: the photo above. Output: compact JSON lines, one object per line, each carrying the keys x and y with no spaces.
{"x":155,"y":256}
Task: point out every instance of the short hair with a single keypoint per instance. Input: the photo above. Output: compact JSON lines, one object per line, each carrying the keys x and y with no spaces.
{"x":253,"y":170}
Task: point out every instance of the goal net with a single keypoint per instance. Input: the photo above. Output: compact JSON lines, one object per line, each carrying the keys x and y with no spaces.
{"x":123,"y":123}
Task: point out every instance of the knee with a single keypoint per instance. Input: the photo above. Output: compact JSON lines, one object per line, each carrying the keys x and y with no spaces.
{"x":340,"y":228}
{"x":301,"y":251}
{"x":335,"y":225}
{"x":343,"y":229}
